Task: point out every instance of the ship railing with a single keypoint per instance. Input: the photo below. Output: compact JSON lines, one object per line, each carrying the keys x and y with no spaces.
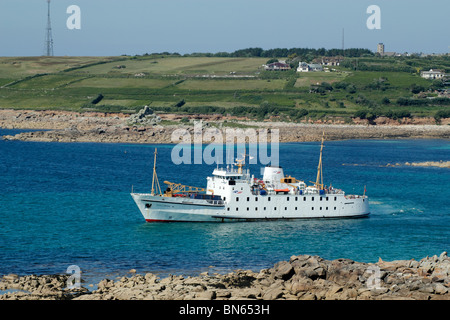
{"x":355,"y":196}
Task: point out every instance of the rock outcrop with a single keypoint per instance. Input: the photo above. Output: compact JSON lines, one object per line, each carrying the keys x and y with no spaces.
{"x":147,"y":127}
{"x":145,"y":117}
{"x":303,"y":277}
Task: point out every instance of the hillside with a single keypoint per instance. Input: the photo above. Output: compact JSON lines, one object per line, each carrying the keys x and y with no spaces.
{"x":364,"y":87}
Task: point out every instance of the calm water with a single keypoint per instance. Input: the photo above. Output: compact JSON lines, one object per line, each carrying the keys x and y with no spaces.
{"x":69,"y":204}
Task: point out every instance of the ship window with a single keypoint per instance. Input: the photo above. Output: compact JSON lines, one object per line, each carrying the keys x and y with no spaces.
{"x":320,"y":198}
{"x":224,"y":198}
{"x":287,"y":198}
{"x":285,"y":208}
{"x":320,"y":208}
{"x":237,"y":209}
{"x":334,"y":208}
{"x":326,"y":198}
{"x":248,"y":208}
{"x":312,"y":208}
{"x":256,"y":208}
{"x":248,"y":198}
{"x":256,"y":198}
{"x":295,"y":208}
{"x":275,"y":208}
{"x":264,"y":208}
{"x":268,"y":198}
{"x":296,"y":198}
{"x":326,"y":208}
{"x":304,"y":198}
{"x":335,"y":198}
{"x":312,"y":198}
{"x":228,"y":209}
{"x":237,"y":198}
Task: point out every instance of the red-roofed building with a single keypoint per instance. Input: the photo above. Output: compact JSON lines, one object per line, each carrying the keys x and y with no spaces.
{"x":277,"y":66}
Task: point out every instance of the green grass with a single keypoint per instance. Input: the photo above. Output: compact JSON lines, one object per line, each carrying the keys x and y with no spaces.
{"x":396,"y":79}
{"x":244,"y":85}
{"x":306,"y":79}
{"x":20,"y":67}
{"x":180,"y":66}
{"x":100,"y":82}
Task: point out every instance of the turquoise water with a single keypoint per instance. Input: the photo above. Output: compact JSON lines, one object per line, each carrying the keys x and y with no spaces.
{"x":67,"y":204}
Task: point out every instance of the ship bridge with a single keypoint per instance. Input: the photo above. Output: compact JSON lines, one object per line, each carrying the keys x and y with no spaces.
{"x":227,"y":172}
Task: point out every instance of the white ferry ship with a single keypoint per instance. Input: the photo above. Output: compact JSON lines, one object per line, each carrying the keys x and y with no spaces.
{"x":232,"y":194}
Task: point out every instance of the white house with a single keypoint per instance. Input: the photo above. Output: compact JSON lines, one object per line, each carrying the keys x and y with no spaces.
{"x":433,"y":74}
{"x":304,"y":67}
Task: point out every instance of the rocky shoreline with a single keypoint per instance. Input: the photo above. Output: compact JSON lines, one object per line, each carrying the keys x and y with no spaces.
{"x":303,"y":277}
{"x":64,"y":126}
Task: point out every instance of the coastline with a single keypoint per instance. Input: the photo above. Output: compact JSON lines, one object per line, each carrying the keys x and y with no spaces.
{"x":65,"y":126}
{"x":303,"y":277}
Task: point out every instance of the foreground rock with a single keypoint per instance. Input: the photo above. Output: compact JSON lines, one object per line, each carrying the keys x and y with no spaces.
{"x":303,"y":277}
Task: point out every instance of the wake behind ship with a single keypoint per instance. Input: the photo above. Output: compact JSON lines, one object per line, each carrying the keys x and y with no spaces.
{"x":232,"y":194}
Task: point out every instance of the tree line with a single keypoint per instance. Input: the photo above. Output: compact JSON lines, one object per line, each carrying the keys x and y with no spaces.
{"x":279,"y":53}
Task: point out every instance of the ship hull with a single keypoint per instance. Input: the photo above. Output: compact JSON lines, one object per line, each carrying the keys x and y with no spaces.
{"x":171,"y":209}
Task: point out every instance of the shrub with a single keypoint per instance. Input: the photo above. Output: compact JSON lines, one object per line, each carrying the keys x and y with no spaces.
{"x":341,"y":85}
{"x":360,"y":114}
{"x":180,"y":103}
{"x":416,"y":89}
{"x":351,"y":88}
{"x":441,"y":114}
{"x":98,"y":99}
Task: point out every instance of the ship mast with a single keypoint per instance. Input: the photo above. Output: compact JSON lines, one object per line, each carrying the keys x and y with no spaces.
{"x":319,"y":179}
{"x":241,"y":162}
{"x":155,"y":182}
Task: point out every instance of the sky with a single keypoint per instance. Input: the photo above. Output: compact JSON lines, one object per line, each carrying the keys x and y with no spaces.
{"x":116,"y":27}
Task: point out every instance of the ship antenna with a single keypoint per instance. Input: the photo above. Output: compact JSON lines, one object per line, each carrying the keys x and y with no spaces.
{"x":155,"y":182}
{"x":319,"y":179}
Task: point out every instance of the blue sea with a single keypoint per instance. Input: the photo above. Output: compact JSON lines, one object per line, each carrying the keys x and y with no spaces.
{"x":64,"y":204}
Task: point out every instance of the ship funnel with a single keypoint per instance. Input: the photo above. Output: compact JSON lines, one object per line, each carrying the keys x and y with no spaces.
{"x":273,"y":174}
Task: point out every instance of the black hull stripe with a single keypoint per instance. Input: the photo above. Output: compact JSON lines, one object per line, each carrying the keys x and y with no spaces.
{"x":360,"y":216}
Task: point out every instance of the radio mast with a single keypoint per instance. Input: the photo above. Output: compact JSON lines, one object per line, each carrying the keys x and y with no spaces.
{"x":49,"y":36}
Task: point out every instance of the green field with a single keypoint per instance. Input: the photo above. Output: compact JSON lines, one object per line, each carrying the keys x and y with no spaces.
{"x":238,"y":86}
